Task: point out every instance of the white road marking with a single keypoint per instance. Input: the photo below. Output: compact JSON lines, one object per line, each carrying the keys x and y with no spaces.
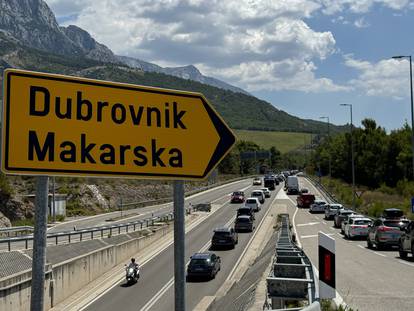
{"x":170,"y":283}
{"x":324,"y":222}
{"x":317,"y":218}
{"x":361,"y":246}
{"x":308,"y":224}
{"x":333,"y":229}
{"x":313,"y":236}
{"x":406,"y":263}
{"x":379,"y":254}
{"x":251,"y":239}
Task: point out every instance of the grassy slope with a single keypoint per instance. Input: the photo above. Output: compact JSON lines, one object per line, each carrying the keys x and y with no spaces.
{"x":283,"y":141}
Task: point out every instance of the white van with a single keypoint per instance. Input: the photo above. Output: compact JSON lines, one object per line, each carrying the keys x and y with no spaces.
{"x":292,"y":185}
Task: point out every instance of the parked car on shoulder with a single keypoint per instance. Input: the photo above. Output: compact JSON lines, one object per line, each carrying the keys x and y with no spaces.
{"x":357,"y":227}
{"x":318,"y":206}
{"x":257,"y":181}
{"x":304,"y":200}
{"x":244,"y":223}
{"x":386,"y":232}
{"x":331,"y":210}
{"x":237,"y":197}
{"x":203,"y":265}
{"x":224,"y":237}
{"x":406,"y":244}
{"x":347,"y":218}
{"x":258,"y":194}
{"x":266,"y":192}
{"x":340,"y":215}
{"x":253,"y":203}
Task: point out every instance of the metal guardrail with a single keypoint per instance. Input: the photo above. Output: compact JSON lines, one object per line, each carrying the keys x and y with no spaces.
{"x":18,"y":230}
{"x":323,"y":189}
{"x":90,"y":233}
{"x":291,"y":277}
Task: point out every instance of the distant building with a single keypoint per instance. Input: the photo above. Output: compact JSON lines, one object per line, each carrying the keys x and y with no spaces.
{"x":60,"y":203}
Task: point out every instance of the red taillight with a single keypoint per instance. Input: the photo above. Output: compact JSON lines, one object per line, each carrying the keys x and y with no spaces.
{"x":384,"y":228}
{"x":353,"y":227}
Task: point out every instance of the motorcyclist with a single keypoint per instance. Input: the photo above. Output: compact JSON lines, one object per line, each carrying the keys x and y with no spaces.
{"x":134,"y":265}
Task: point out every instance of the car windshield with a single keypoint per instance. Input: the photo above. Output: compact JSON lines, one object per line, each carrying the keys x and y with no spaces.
{"x":237,"y":193}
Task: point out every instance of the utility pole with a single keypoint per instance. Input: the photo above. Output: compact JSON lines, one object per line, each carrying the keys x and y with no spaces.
{"x":329,"y":147}
{"x":352,"y":158}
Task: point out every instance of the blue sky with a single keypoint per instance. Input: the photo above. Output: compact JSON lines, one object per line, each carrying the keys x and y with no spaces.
{"x":303,"y":56}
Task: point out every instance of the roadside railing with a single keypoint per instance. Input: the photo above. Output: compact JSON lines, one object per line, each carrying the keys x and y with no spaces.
{"x":328,"y":195}
{"x":18,"y":230}
{"x":291,"y":277}
{"x":91,"y":233}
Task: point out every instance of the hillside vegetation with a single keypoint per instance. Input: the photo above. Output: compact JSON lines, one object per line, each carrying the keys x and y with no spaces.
{"x":283,"y":141}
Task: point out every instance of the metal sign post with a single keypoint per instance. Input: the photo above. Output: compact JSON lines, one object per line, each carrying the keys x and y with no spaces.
{"x":39,"y":245}
{"x":179,"y":246}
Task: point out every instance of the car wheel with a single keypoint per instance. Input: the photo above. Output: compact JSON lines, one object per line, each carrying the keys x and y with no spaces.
{"x":369,"y":244}
{"x":412,"y":249}
{"x":403,"y":254}
{"x":342,"y":231}
{"x":379,"y":245}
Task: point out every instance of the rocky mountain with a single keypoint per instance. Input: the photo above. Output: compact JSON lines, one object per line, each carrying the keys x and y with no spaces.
{"x":189,"y":72}
{"x":32,"y":23}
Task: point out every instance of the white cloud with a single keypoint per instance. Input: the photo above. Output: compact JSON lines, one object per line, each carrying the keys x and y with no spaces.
{"x":387,"y":78}
{"x":361,"y":23}
{"x":330,"y":7}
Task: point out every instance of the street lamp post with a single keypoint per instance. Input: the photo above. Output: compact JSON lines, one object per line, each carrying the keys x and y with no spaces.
{"x":329,"y":146}
{"x":352,"y":158}
{"x":412,"y":114}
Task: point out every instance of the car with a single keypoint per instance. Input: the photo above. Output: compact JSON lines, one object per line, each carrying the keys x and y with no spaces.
{"x":386,"y":232}
{"x":393,"y":213}
{"x":340,"y":215}
{"x":331,"y":210}
{"x":257,"y":181}
{"x":347,"y":218}
{"x":258,"y":194}
{"x":244,"y":223}
{"x":253,"y":203}
{"x":266,"y":192}
{"x":237,"y":197}
{"x":318,"y":206}
{"x":357,"y":227}
{"x":203,"y":265}
{"x":246,"y":210}
{"x":406,"y":244}
{"x":224,"y":236}
{"x":305,"y":200}
{"x":304,"y":190}
{"x":270,"y":182}
{"x":292,"y":185}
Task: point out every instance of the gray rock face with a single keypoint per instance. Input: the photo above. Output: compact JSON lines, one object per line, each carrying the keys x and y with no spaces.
{"x":189,"y":72}
{"x":32,"y":23}
{"x":4,"y":221}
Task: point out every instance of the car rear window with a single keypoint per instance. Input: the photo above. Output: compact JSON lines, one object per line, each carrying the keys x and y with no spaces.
{"x":335,"y":206}
{"x":347,"y":213}
{"x":393,"y":213}
{"x":198,"y":261}
{"x":221,"y":233}
{"x":396,"y":224}
{"x":243,"y":220}
{"x":251,"y":201}
{"x":256,"y":194}
{"x":362,"y":222}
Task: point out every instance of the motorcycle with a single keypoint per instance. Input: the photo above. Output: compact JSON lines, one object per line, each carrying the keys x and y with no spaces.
{"x":132,"y":274}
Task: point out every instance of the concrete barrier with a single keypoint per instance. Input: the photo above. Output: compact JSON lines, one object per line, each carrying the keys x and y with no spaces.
{"x":63,"y":279}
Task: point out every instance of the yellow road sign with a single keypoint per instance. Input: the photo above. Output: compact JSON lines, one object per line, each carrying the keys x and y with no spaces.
{"x":63,"y":125}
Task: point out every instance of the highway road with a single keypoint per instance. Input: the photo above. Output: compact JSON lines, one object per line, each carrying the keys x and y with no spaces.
{"x":155,"y":289}
{"x":366,"y":279}
{"x":131,"y":215}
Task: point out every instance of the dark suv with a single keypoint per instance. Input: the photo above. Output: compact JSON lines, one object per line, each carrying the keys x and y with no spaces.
{"x":226,"y":237}
{"x":386,"y":232}
{"x":407,"y":241}
{"x":203,"y":265}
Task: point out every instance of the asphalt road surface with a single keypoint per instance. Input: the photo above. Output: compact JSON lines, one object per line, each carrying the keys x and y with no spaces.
{"x":366,"y":279}
{"x":155,"y":289}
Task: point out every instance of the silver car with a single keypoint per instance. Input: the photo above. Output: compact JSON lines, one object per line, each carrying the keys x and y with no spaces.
{"x":266,"y":192}
{"x":347,"y":218}
{"x":331,"y":210}
{"x":357,"y":227}
{"x":318,"y":206}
